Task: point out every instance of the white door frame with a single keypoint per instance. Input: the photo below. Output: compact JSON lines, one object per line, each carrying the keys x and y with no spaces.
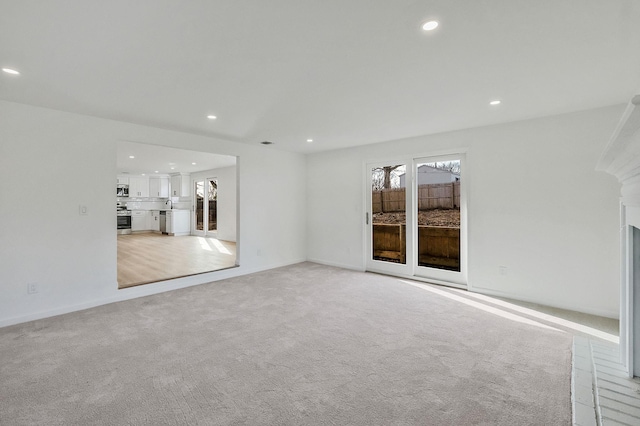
{"x":205,"y":207}
{"x":411,"y":268}
{"x":382,"y":266}
{"x":442,"y":275}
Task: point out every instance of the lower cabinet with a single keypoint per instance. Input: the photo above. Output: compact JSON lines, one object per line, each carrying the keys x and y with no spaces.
{"x":144,"y":220}
{"x":138,"y":220}
{"x":154,"y":219}
{"x":178,"y":222}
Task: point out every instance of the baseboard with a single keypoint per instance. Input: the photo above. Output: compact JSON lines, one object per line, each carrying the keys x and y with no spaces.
{"x":147,"y":290}
{"x":546,"y":302}
{"x":336,"y":264}
{"x":55,"y":312}
{"x":273,"y":266}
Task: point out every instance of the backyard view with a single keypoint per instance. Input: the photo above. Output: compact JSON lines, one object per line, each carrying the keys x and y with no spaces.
{"x":206,"y":205}
{"x":438,"y":214}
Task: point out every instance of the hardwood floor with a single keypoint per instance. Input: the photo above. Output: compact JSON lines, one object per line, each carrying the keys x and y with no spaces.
{"x":146,"y":258}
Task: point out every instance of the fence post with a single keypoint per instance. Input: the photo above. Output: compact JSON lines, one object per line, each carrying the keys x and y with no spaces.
{"x":403,"y":245}
{"x":453,"y":195}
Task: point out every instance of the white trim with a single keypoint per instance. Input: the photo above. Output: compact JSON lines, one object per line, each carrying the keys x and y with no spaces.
{"x":458,"y":278}
{"x":205,"y":207}
{"x":624,"y":329}
{"x":619,"y":142}
{"x":546,"y":302}
{"x":627,"y":302}
{"x":147,"y":290}
{"x":420,"y":279}
{"x":336,"y":264}
{"x":390,"y":268}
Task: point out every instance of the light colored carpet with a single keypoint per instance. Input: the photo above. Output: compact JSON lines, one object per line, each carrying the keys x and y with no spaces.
{"x":304,"y":344}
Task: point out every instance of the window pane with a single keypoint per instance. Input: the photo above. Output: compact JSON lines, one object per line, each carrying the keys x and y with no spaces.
{"x":389,"y":223}
{"x":439,"y":214}
{"x":213,"y":205}
{"x":199,"y":205}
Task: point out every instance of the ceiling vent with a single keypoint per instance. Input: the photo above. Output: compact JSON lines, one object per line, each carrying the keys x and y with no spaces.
{"x":266,"y":143}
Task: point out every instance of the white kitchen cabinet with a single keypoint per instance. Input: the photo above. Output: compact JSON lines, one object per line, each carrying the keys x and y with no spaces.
{"x":139,"y":220}
{"x":178,"y":222}
{"x":139,"y":186}
{"x":154,"y":218}
{"x":180,"y":185}
{"x":159,"y":187}
{"x":123,"y":180}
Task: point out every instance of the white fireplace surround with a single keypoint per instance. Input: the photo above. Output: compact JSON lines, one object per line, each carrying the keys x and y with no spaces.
{"x":621,"y":158}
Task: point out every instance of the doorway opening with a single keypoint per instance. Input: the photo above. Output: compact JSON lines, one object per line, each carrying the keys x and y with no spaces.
{"x":177,"y":228}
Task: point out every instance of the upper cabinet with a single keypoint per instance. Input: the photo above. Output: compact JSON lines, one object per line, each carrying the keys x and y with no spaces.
{"x":138,"y":187}
{"x":180,"y":185}
{"x":159,"y":187}
{"x":146,"y":186}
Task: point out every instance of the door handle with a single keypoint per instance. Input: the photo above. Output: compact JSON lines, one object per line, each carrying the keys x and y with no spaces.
{"x":367,"y":217}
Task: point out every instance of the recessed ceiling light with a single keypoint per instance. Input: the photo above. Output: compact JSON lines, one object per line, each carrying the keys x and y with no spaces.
{"x":430,"y":26}
{"x":211,"y":117}
{"x":156,"y":171}
{"x":11,"y":71}
{"x":193,"y":164}
{"x":132,"y":156}
{"x":143,"y":174}
{"x":309,"y":140}
{"x":173,"y":168}
{"x":496,"y":102}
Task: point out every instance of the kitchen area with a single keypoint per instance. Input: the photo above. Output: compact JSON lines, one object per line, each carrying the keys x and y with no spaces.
{"x":176,"y":213}
{"x":159,"y":204}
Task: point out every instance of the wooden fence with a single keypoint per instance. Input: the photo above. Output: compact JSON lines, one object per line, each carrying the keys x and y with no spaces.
{"x":430,"y":196}
{"x":438,"y":247}
{"x":389,"y":242}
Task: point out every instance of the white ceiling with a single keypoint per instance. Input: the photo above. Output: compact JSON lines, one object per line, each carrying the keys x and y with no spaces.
{"x":151,"y":158}
{"x":341,"y":72}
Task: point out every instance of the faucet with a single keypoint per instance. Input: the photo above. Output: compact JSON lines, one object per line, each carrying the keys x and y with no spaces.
{"x":170,"y":205}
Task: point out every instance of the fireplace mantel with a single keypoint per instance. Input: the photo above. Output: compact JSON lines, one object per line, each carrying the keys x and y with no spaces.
{"x":621,"y":158}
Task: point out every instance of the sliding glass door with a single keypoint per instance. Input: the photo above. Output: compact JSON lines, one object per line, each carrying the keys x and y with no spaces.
{"x":415,"y":219}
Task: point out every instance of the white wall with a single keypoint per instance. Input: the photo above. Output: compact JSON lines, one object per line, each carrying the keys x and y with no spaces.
{"x":553,"y":222}
{"x":52,"y":161}
{"x":226,"y":214}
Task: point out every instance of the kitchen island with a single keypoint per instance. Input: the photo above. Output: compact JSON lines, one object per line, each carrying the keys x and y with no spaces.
{"x":177,"y":222}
